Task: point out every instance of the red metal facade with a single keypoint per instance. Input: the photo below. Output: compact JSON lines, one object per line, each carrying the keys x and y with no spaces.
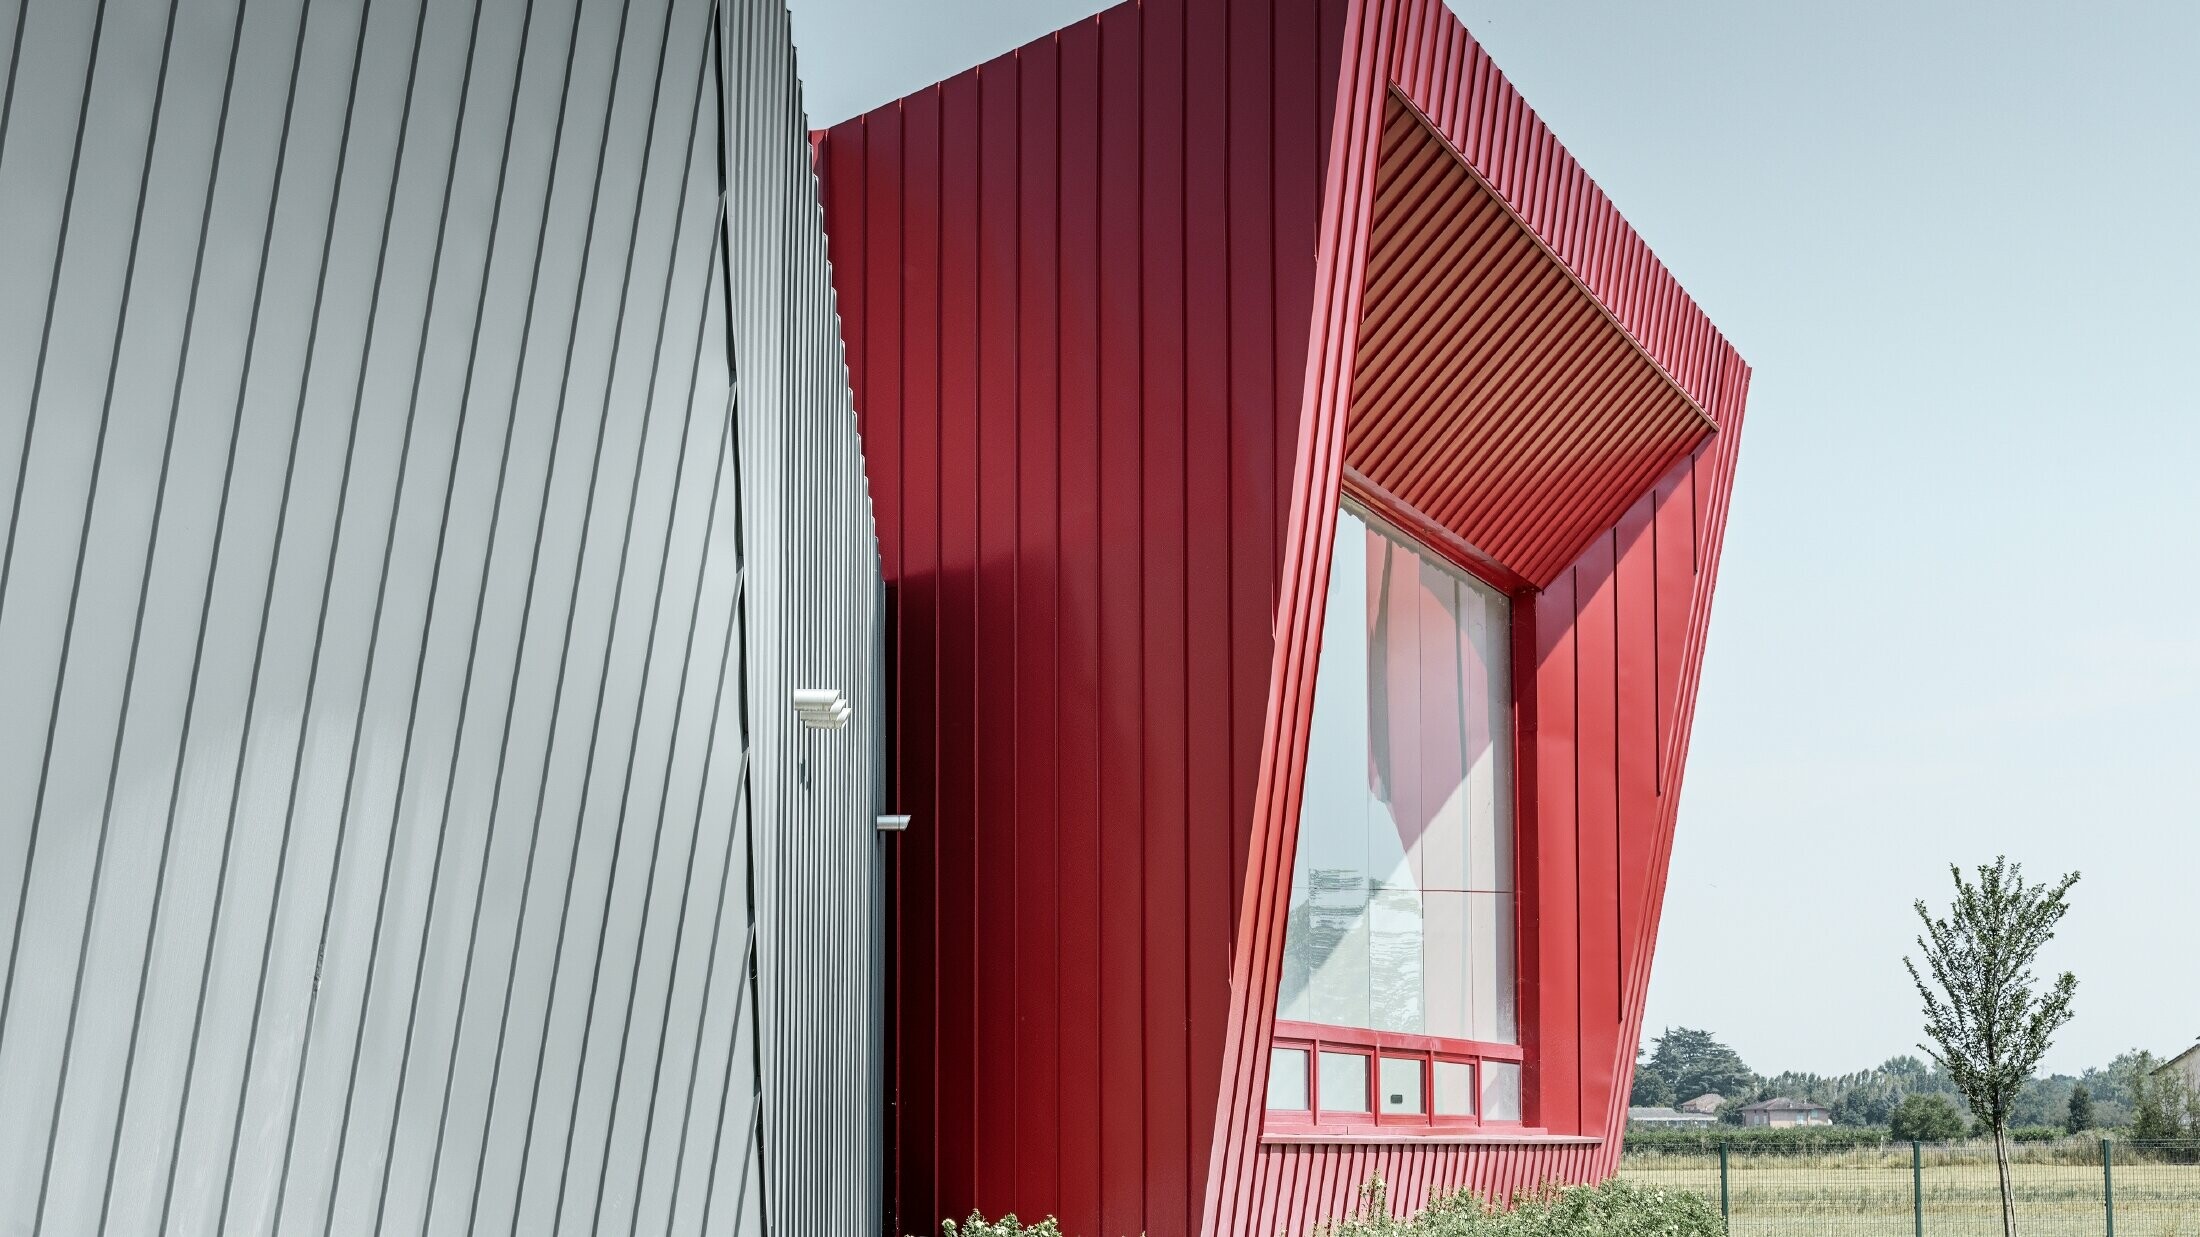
{"x":1103,"y":306}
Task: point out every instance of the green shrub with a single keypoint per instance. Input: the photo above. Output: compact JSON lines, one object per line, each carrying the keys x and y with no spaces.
{"x":1007,"y":1226}
{"x":1616,"y":1208}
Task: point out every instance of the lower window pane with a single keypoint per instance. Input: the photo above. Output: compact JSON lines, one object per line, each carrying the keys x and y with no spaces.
{"x":1454,"y":1089}
{"x":1343,"y":1082}
{"x":1500,"y":1091}
{"x":1401,"y":1090}
{"x":1287,"y":1079}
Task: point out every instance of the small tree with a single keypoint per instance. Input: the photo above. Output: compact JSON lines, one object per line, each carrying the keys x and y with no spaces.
{"x":1980,"y":1008}
{"x":1925,"y":1119}
{"x":2081,"y":1110}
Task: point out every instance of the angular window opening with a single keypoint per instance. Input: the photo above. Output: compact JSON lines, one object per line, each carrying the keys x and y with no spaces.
{"x":1403,"y":903}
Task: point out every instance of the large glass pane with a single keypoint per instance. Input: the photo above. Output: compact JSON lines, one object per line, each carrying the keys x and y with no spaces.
{"x":1401,"y":1089}
{"x":1325,"y":967}
{"x":1484,"y":644}
{"x":1454,"y":1089}
{"x":1287,"y":1079}
{"x":1343,"y":1082}
{"x":1500,"y":1091}
{"x":1407,"y":803}
{"x":1333,"y":806}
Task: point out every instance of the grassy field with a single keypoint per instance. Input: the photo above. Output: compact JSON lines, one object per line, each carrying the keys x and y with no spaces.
{"x":1868,"y":1193}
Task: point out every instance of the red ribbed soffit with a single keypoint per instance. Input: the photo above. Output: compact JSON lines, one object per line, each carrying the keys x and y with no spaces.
{"x":1491,"y":392}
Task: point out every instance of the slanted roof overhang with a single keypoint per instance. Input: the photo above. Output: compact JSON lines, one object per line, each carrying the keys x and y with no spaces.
{"x":1492,"y":394}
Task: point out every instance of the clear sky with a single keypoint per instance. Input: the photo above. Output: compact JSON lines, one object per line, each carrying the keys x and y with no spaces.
{"x":1959,"y":613}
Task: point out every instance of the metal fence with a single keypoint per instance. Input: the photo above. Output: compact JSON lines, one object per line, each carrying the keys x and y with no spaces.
{"x":2064,"y":1189}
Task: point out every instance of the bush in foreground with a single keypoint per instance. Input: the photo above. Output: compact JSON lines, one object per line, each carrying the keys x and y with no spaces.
{"x":1007,"y":1226}
{"x":1614,"y":1209}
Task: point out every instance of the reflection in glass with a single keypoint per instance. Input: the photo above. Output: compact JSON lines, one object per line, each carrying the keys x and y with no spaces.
{"x":1325,"y":962}
{"x":1500,"y":1091}
{"x":1401,"y":914}
{"x":1287,"y":1079}
{"x":1454,"y":1089}
{"x":1469,"y":963}
{"x":1343,"y":1082}
{"x":1394,"y":960}
{"x":1325,"y":953}
{"x":1401,"y":1084}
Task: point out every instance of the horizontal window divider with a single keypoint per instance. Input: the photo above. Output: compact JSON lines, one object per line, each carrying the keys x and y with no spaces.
{"x":1440,"y":1135}
{"x":1303,"y":1034}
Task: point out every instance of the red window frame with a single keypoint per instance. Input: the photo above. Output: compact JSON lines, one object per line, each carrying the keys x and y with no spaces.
{"x":1315,"y":1039}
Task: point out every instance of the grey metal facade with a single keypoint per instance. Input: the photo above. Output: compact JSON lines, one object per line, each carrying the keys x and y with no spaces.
{"x":430,"y":474}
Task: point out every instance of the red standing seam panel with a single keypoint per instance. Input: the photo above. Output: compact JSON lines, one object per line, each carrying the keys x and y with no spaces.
{"x":1084,"y":840}
{"x":1596,"y":787}
{"x":1122,"y":499}
{"x":1036,"y":554}
{"x":998,"y":772}
{"x":1557,"y":847}
{"x":1228,"y":436}
{"x":1636,"y":739}
{"x":1249,"y":422}
{"x":1163,"y":411}
{"x":965,"y":1139}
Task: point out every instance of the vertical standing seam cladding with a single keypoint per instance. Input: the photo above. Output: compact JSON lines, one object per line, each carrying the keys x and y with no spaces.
{"x":1075,"y":305}
{"x":1103,"y":300}
{"x":403,"y":827}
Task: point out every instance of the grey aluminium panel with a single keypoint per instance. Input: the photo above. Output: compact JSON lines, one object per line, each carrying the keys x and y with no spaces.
{"x":814,"y":607}
{"x":404,"y":826}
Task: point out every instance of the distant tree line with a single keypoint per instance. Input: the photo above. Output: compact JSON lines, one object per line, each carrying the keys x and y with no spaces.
{"x":2130,"y":1094}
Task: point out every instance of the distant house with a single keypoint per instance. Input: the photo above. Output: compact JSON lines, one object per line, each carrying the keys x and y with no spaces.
{"x":1783,"y":1112}
{"x":1707,"y":1103}
{"x":2188,"y":1064}
{"x":1670,"y":1118}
